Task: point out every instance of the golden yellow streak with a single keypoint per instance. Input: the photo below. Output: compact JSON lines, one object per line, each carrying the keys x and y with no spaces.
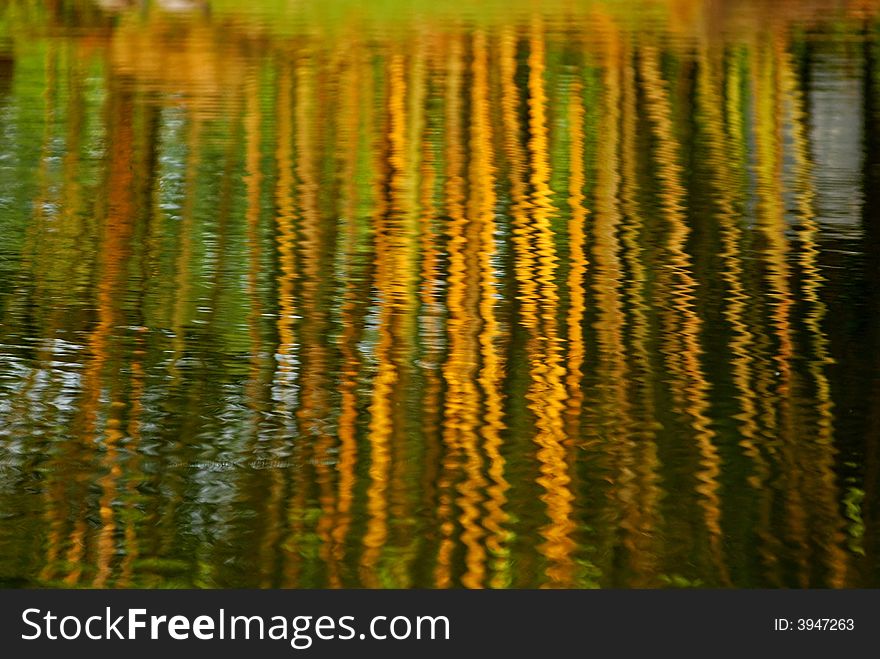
{"x":253,"y":179}
{"x":184,"y":258}
{"x":314,"y":406}
{"x":306,"y":191}
{"x":734,"y":124}
{"x":355,"y":88}
{"x":771,"y":223}
{"x":284,"y":373}
{"x":55,"y":492}
{"x":482,"y":213}
{"x":76,"y":551}
{"x":430,"y":293}
{"x":256,"y":388}
{"x":513,"y":149}
{"x":644,"y":516}
{"x":723,"y":181}
{"x":286,"y":238}
{"x":547,"y":392}
{"x":756,"y":399}
{"x":456,"y":373}
{"x":113,"y":434}
{"x":742,"y":343}
{"x":691,"y":388}
{"x":105,"y":542}
{"x":463,"y":397}
{"x":117,"y":233}
{"x":825,"y":505}
{"x":38,"y":255}
{"x":617,"y":425}
{"x":133,"y":430}
{"x":407,"y":112}
{"x":480,"y":302}
{"x":386,"y":265}
{"x":578,"y":259}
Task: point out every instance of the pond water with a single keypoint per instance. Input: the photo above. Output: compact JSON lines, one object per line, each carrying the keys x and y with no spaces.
{"x":439,"y":294}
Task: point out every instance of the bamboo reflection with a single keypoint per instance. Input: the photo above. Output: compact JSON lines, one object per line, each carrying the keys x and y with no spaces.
{"x":118,"y":229}
{"x":464,"y":342}
{"x":579,"y":262}
{"x":116,"y":233}
{"x":612,"y":407}
{"x":284,"y":385}
{"x":356,"y":89}
{"x":407,"y":126}
{"x":55,"y":492}
{"x":253,"y":184}
{"x":768,"y":137}
{"x":575,"y":283}
{"x":490,"y":300}
{"x":432,"y":312}
{"x":133,"y":435}
{"x":131,"y":499}
{"x":457,"y":372}
{"x":348,"y":444}
{"x":547,"y":393}
{"x":822,"y":491}
{"x":381,"y":425}
{"x":682,"y":342}
{"x":127,"y":397}
{"x":742,"y":344}
{"x":311,"y":356}
{"x":643,"y":520}
{"x":482,"y":214}
{"x":22,"y":397}
{"x":521,"y":272}
{"x":492,"y":368}
{"x":314,"y":407}
{"x":510,"y":106}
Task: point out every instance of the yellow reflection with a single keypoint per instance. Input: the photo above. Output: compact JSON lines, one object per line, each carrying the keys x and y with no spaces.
{"x":723,"y":179}
{"x":682,"y":340}
{"x":386,"y":264}
{"x":356,"y":89}
{"x":513,"y":151}
{"x":457,"y":373}
{"x":430,"y":291}
{"x":823,"y":492}
{"x":612,"y":406}
{"x":284,"y":378}
{"x":547,"y":392}
{"x":492,"y":367}
{"x":133,"y":432}
{"x":55,"y":519}
{"x":304,"y":448}
{"x":579,"y":263}
{"x":771,"y":222}
{"x":644,"y":493}
{"x":406,"y":105}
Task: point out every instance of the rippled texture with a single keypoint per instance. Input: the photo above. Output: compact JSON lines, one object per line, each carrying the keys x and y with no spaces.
{"x":439,"y":294}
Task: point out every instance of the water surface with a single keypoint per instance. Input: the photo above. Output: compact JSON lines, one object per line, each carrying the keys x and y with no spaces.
{"x":439,"y":294}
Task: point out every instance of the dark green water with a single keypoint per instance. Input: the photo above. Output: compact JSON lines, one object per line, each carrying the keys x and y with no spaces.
{"x":402,"y":295}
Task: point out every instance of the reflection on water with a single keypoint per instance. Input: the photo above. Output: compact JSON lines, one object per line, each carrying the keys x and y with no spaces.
{"x":544,"y":295}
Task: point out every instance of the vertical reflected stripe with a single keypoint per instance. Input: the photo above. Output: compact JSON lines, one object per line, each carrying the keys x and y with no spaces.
{"x":455,"y":371}
{"x":691,"y":386}
{"x":829,"y":533}
{"x":643,"y":521}
{"x":547,"y":391}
